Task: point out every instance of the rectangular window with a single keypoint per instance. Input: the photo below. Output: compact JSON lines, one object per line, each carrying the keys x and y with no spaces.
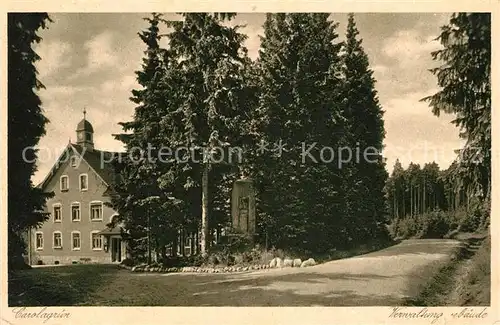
{"x":74,"y":161}
{"x":75,"y":212}
{"x":187,"y":246}
{"x":64,"y":183}
{"x":57,"y":240}
{"x":96,"y":211}
{"x":83,"y":182}
{"x":75,"y":238}
{"x":39,"y":240}
{"x":96,"y":241}
{"x":57,"y":213}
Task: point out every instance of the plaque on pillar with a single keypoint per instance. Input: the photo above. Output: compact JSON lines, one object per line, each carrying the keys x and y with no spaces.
{"x":243,"y":206}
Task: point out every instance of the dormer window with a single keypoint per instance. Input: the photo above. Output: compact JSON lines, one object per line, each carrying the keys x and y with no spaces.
{"x":64,"y":183}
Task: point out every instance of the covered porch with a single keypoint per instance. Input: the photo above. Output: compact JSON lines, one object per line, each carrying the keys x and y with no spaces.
{"x":114,"y":244}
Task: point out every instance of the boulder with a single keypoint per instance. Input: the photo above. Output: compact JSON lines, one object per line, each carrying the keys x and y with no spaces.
{"x":279,"y":262}
{"x":273,"y":262}
{"x":287,"y":262}
{"x":238,"y":259}
{"x":297,"y":262}
{"x":309,"y":262}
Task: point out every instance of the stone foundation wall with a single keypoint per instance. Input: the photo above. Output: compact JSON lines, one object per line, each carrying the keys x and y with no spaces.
{"x":68,"y":259}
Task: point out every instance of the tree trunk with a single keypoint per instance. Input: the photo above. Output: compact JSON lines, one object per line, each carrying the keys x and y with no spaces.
{"x":149,"y":237}
{"x":193,"y":244}
{"x":423,"y":203}
{"x":404,"y":201}
{"x":419,"y":199}
{"x":412,"y":200}
{"x":174,"y":244}
{"x":204,"y":211}
{"x":394,"y":214}
{"x":197,"y":241}
{"x":30,"y":246}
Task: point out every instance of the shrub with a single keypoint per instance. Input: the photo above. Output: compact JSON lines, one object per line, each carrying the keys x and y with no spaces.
{"x":477,"y":218}
{"x":197,"y":260}
{"x":437,"y":224}
{"x":56,"y":262}
{"x":127,"y":262}
{"x":39,"y":262}
{"x":213,"y":259}
{"x":434,"y":224}
{"x":170,"y":261}
{"x":486,"y":215}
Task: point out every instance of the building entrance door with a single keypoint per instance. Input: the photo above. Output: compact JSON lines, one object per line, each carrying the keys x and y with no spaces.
{"x":116,"y":250}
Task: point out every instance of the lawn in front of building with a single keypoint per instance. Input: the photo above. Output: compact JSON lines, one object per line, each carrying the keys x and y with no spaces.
{"x":63,"y":285}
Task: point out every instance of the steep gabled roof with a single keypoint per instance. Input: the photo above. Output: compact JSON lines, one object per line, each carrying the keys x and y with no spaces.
{"x":98,"y":160}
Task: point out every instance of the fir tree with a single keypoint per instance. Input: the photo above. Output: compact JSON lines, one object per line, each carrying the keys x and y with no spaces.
{"x":26,"y":124}
{"x":465,"y":79}
{"x":212,"y":98}
{"x":365,"y":130}
{"x":298,"y":61}
{"x":146,"y":208}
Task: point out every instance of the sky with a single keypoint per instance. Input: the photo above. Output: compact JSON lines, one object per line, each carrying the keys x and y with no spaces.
{"x":89,"y":61}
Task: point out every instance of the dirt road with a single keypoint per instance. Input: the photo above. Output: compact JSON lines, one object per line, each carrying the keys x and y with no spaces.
{"x":383,"y":278}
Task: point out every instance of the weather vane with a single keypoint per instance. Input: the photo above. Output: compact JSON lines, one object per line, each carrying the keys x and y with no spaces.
{"x":84,"y":112}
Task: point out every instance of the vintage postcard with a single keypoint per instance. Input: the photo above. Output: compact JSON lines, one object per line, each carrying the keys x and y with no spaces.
{"x":249,"y":159}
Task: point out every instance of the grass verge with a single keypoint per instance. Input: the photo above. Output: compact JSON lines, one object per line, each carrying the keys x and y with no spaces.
{"x":465,"y":281}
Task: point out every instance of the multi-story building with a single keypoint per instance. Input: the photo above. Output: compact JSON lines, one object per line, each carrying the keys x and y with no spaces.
{"x":80,"y":227}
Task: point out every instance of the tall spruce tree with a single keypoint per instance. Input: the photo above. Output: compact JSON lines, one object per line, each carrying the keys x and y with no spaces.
{"x":212,"y":98}
{"x":365,"y":130}
{"x":26,"y":124}
{"x":149,"y":211}
{"x":299,"y":196}
{"x":465,"y":79}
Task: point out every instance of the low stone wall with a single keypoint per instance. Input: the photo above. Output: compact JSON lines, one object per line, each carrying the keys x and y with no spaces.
{"x":275,"y":263}
{"x":51,"y":259}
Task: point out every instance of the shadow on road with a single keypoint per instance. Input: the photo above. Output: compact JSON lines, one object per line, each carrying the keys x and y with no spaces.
{"x":300,"y":289}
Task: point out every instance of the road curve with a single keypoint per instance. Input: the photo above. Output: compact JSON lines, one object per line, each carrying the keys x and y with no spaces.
{"x":383,"y":278}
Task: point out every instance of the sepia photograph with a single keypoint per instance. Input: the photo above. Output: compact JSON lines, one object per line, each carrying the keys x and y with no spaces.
{"x":250,"y":160}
